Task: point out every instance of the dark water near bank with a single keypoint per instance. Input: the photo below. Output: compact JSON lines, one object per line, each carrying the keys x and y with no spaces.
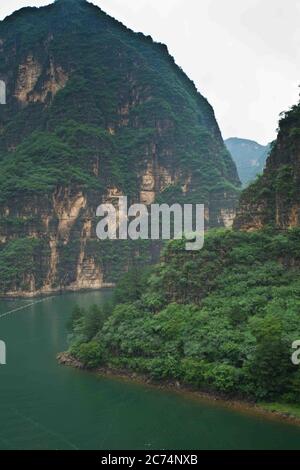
{"x":47,"y":406}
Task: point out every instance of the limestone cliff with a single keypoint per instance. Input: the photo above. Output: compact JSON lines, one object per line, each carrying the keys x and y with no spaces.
{"x":274,"y":199}
{"x":94,"y":111}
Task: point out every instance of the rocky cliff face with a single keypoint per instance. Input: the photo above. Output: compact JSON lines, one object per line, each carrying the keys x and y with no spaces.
{"x":274,"y":199}
{"x":94,"y":111}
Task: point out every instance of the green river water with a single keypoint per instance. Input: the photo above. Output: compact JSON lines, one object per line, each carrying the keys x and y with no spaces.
{"x":47,"y":406}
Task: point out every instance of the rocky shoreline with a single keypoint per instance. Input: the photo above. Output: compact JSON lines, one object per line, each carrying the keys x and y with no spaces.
{"x":23,"y":295}
{"x":241,"y":406}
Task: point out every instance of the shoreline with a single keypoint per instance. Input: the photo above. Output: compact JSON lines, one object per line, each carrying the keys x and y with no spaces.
{"x":210,"y":398}
{"x":53,"y":293}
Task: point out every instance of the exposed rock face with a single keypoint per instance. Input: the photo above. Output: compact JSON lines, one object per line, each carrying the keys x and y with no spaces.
{"x":27,"y":91}
{"x":274,"y":200}
{"x":94,"y":111}
{"x":28,"y":75}
{"x":64,"y":226}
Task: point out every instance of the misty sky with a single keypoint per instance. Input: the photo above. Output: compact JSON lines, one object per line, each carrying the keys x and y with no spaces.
{"x":243,"y":55}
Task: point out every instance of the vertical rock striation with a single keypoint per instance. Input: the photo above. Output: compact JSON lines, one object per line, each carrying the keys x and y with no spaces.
{"x":94,"y":111}
{"x":274,"y":199}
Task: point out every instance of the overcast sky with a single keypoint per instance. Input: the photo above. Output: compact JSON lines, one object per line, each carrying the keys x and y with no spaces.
{"x":243,"y":55}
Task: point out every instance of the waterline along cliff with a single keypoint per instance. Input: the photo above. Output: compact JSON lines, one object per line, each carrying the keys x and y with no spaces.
{"x":95,"y":111}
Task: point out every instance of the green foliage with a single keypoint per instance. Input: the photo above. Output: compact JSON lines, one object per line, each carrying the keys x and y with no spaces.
{"x":117,"y":257}
{"x":20,"y":260}
{"x":104,"y":105}
{"x":222,"y":319}
{"x":124,"y":96}
{"x":39,"y":164}
{"x":86,"y":324}
{"x":274,"y":197}
{"x":91,"y":354}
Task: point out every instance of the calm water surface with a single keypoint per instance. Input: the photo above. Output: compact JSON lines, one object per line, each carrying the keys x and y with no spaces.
{"x":47,"y":406}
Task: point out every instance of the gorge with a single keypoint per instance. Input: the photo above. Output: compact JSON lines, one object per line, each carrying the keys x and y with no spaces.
{"x":95,"y":114}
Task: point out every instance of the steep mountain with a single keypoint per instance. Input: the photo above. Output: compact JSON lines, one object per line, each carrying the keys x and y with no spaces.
{"x":249,"y":157}
{"x":225,"y":318}
{"x":94,"y":111}
{"x":274,"y":199}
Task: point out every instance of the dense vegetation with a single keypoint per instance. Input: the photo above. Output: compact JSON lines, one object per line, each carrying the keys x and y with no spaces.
{"x":21,"y":262}
{"x":222,"y":319}
{"x":91,"y":105}
{"x":124,"y":94}
{"x":274,"y":197}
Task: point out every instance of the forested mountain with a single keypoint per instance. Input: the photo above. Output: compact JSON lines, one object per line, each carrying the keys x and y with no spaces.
{"x":222,"y":319}
{"x":249,"y":157}
{"x":94,"y":111}
{"x":274,"y":198}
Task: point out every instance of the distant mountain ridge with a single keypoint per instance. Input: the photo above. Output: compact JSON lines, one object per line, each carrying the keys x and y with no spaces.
{"x":249,"y":156}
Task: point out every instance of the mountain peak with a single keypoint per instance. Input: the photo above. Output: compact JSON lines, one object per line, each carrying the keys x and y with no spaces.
{"x":95,"y":110}
{"x":70,"y":1}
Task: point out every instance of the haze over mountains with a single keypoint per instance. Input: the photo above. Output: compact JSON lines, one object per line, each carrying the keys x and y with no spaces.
{"x":249,"y":157}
